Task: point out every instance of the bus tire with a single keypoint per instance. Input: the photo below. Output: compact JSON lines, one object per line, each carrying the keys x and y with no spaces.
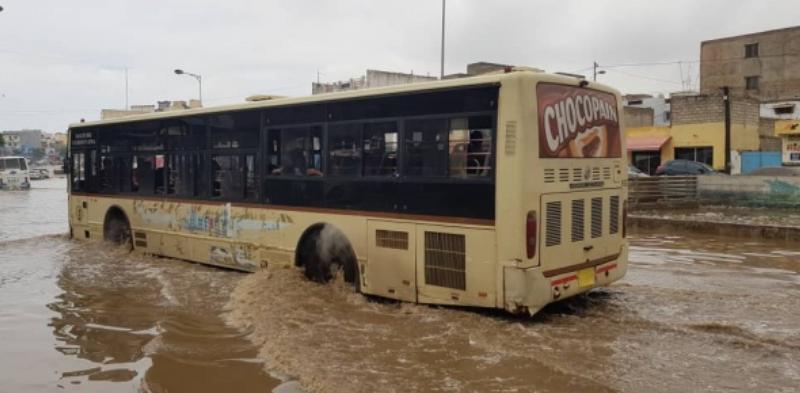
{"x":323,"y":251}
{"x":117,"y":228}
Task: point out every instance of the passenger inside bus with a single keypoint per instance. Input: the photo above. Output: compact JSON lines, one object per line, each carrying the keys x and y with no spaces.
{"x":476,"y":156}
{"x":295,"y":164}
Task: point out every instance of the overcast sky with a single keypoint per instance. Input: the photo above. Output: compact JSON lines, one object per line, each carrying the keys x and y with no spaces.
{"x":61,"y":61}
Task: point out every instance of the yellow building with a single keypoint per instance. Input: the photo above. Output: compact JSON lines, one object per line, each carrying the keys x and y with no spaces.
{"x":697,"y":133}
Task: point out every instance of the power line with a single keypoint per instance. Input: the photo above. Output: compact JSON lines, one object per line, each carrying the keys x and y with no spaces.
{"x":646,"y":77}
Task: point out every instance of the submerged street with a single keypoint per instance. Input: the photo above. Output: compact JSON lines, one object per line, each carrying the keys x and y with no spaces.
{"x":694,"y":313}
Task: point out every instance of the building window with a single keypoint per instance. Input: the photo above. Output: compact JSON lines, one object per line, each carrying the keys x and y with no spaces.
{"x":750,"y":50}
{"x":751,"y":82}
{"x":699,"y":154}
{"x":784,"y":110}
{"x":667,"y":116}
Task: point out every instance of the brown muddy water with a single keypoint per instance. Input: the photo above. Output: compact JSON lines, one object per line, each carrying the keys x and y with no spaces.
{"x":694,"y":314}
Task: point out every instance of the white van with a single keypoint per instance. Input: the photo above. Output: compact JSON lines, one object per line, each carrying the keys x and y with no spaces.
{"x":14,"y":173}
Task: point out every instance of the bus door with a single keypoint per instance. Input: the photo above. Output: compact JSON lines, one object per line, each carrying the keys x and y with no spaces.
{"x":391,"y":255}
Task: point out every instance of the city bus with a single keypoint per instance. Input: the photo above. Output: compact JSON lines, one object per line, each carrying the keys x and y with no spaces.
{"x":505,"y":190}
{"x":14,"y":173}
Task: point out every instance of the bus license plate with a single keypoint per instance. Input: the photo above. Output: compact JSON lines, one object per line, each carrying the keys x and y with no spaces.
{"x":586,"y":277}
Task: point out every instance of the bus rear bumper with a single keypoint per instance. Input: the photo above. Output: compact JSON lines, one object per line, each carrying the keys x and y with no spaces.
{"x":528,"y":290}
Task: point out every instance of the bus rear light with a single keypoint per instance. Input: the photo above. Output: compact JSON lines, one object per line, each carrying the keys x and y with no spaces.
{"x":530,"y":234}
{"x":624,"y":219}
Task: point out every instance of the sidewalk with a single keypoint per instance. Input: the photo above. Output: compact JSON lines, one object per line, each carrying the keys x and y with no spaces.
{"x":727,"y":215}
{"x":737,"y":222}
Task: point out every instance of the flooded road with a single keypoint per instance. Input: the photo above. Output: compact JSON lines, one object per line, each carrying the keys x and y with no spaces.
{"x":693,"y":314}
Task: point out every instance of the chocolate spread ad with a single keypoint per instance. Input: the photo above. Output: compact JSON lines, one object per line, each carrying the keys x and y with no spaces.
{"x":576,"y":122}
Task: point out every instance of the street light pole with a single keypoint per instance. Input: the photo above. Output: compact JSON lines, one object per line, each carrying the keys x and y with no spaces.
{"x":441,"y":75}
{"x":199,"y":82}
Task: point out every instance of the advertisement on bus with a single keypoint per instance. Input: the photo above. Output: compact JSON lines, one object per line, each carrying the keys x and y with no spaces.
{"x":576,"y":122}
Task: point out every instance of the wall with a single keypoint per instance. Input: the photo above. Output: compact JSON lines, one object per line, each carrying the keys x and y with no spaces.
{"x":722,"y":63}
{"x":767,"y":191}
{"x":638,"y":117}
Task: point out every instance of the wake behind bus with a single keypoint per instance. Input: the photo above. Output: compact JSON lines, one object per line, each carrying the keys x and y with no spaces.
{"x":502,"y":191}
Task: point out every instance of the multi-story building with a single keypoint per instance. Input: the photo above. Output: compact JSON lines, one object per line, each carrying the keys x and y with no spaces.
{"x":23,"y":140}
{"x":764,"y":65}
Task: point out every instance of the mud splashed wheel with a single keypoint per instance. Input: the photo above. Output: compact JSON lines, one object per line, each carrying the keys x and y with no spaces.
{"x":117,"y":231}
{"x":323,"y":251}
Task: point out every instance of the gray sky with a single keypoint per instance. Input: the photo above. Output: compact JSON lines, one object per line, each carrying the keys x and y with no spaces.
{"x":61,"y":61}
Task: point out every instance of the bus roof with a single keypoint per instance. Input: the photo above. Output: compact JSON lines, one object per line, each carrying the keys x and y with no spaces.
{"x":491,"y":78}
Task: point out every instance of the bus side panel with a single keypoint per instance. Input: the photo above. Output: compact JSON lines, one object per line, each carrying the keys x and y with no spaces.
{"x":456,"y":265}
{"x":391,"y":268}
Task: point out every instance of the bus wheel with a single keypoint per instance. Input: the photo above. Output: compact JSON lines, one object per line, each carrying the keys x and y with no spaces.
{"x":323,"y":251}
{"x":116,"y":228}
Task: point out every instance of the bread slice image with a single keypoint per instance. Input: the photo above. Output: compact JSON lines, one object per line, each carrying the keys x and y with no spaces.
{"x":590,"y":143}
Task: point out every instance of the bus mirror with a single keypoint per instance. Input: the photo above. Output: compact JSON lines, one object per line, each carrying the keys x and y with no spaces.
{"x":65,"y":165}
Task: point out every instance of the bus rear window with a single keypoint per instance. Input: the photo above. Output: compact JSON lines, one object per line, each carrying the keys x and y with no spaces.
{"x":577,"y":122}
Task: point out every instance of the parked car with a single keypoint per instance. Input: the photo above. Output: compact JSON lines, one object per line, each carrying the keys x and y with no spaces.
{"x":685,"y":168}
{"x":633,"y":171}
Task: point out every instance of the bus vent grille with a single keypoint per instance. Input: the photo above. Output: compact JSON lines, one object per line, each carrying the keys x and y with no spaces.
{"x":614,"y":222}
{"x":596,"y":173}
{"x":391,"y":239}
{"x":445,"y":260}
{"x":597,"y":217}
{"x":578,"y":211}
{"x":511,"y":138}
{"x":550,"y":175}
{"x":606,"y":173}
{"x":563,"y":175}
{"x":553,"y":224}
{"x":577,"y":174}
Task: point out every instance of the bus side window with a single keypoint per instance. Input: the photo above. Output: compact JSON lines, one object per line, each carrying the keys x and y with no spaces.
{"x":471,"y":147}
{"x":380,"y":149}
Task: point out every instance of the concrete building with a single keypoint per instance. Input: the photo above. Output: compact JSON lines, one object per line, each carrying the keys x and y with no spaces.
{"x":162,"y":106}
{"x":660,"y":106}
{"x":23,"y":140}
{"x":374,"y":78}
{"x":764,"y":65}
{"x":697,"y":133}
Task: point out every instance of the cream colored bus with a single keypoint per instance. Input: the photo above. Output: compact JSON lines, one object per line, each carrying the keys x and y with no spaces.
{"x":502,"y":191}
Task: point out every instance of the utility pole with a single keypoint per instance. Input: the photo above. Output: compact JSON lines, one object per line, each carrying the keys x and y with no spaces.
{"x":594,"y":78}
{"x":726,"y":97}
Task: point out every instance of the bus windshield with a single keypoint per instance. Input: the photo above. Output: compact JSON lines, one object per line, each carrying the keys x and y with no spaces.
{"x":12,"y":163}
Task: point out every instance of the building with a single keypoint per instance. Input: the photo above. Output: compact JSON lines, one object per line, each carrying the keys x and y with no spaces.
{"x":23,"y":141}
{"x":162,"y":106}
{"x":788,"y":131}
{"x":764,"y":65}
{"x":659,"y":106}
{"x":374,"y":78}
{"x":697,"y":132}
